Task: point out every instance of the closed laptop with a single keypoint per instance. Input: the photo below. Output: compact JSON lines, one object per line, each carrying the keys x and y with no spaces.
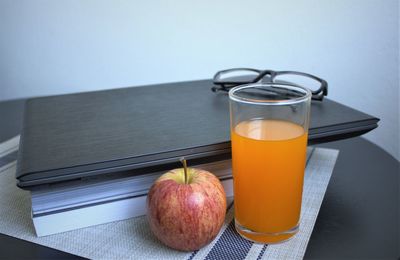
{"x":131,"y":131}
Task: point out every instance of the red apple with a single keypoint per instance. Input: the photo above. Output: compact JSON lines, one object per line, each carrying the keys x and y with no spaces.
{"x":186,"y":213}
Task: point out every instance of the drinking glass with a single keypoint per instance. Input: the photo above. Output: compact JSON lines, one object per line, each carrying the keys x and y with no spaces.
{"x":269,"y":132}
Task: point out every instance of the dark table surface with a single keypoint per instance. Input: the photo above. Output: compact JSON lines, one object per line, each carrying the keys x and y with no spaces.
{"x":358,"y":219}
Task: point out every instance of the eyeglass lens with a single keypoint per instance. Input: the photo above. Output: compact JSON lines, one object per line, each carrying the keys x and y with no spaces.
{"x":299,"y":80}
{"x":239,"y":76}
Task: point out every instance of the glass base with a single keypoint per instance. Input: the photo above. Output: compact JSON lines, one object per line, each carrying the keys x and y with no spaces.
{"x":266,"y":238}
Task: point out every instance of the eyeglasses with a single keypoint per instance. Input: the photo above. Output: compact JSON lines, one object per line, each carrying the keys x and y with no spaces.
{"x":224,"y":80}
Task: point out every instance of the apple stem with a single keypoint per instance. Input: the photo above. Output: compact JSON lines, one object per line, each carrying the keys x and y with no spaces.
{"x":183,"y":161}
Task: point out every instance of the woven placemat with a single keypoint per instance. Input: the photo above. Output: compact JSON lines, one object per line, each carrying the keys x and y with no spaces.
{"x":132,"y":239}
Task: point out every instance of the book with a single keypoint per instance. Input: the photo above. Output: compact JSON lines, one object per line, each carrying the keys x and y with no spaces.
{"x":72,"y":205}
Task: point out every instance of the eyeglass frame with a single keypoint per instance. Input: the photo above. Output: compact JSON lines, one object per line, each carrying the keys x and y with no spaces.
{"x":316,"y":94}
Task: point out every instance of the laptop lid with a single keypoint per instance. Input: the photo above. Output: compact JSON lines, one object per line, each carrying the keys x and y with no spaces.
{"x":97,"y":133}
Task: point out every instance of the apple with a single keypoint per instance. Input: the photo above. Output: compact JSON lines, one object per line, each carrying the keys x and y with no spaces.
{"x":186,"y":208}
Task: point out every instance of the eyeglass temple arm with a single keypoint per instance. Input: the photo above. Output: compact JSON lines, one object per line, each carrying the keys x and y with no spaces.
{"x":323,"y":90}
{"x":320,"y":93}
{"x":317,"y":97}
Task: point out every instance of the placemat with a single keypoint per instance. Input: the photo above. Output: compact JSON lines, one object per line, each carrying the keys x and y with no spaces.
{"x":132,"y":239}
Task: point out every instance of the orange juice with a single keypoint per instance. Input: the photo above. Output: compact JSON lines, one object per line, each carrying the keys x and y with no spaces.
{"x":268,"y":160}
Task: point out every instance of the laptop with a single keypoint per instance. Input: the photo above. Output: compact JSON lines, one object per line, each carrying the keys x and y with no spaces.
{"x":137,"y":130}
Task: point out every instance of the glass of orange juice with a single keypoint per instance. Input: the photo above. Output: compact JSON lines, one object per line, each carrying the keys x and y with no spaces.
{"x":269,"y":130}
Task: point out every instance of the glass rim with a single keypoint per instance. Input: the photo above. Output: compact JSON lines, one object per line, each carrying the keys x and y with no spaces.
{"x":289,"y":101}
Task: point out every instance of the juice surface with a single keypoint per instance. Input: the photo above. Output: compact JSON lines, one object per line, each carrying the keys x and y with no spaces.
{"x":268,"y":160}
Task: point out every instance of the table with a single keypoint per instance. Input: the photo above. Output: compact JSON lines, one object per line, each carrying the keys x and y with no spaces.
{"x":359,"y":217}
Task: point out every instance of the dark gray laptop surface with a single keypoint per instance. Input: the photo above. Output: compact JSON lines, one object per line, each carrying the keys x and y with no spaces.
{"x":140,"y":129}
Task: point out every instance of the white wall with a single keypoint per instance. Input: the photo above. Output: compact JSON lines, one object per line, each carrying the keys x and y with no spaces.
{"x":49,"y":47}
